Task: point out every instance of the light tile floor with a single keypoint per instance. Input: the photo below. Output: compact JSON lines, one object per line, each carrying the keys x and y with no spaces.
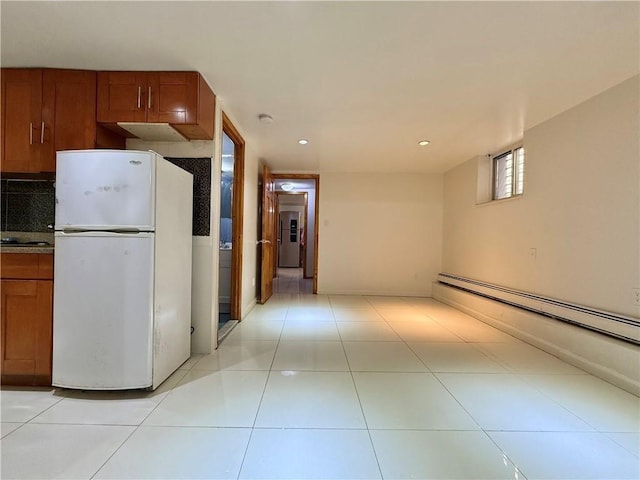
{"x":337,"y":387}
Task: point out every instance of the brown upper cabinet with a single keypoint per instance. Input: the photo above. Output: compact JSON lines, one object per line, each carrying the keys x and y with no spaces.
{"x":181,"y":99}
{"x":43,"y":111}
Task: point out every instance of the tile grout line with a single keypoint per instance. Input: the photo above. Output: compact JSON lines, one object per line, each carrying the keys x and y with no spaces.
{"x":433,"y":374}
{"x":114,"y":452}
{"x":355,"y":388}
{"x":45,"y":410}
{"x":141,"y":422}
{"x":253,"y":427}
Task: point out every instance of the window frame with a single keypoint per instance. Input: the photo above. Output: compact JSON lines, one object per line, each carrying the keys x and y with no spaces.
{"x":517,"y":175}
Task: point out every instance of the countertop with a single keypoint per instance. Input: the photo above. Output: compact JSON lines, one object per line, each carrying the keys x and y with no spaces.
{"x":28,"y":237}
{"x":27,"y":249}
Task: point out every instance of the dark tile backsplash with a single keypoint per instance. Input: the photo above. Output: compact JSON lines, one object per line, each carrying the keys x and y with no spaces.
{"x":201,"y":170}
{"x":27,"y":205}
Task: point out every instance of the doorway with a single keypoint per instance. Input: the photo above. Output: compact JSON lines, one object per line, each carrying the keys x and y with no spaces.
{"x":226,"y":231}
{"x":292,"y":227}
{"x":231,"y":226}
{"x":272,"y":186}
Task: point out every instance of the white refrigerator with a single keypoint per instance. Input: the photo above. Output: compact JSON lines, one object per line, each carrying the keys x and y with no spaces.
{"x":289,"y":254}
{"x":122,"y":274}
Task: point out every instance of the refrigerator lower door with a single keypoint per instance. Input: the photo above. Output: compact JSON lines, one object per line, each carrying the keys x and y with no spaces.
{"x":103,"y":310}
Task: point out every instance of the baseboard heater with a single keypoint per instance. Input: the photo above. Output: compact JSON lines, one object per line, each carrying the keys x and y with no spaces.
{"x":612,"y":324}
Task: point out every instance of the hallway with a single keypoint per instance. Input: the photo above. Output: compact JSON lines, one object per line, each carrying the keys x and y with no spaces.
{"x":289,"y":280}
{"x":341,"y":387}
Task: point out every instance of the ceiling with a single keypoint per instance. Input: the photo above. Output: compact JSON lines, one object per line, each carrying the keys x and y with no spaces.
{"x":362,"y":81}
{"x":297,"y":184}
{"x":291,"y":199}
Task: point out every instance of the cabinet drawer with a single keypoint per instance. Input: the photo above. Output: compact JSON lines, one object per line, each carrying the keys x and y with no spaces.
{"x":28,"y":266}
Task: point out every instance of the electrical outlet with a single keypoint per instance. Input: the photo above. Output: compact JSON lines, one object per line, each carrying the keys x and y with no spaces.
{"x":533,"y":254}
{"x":636,"y":296}
{"x":253,"y":282}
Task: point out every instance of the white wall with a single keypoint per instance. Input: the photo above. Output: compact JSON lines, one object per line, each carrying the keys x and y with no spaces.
{"x":250,"y":228}
{"x":204,"y":304}
{"x":380,"y":234}
{"x":580,"y":210}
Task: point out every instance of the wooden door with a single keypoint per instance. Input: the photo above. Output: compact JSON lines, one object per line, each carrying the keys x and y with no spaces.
{"x":26,"y":331}
{"x":276,"y":235}
{"x":122,"y":97}
{"x":21,"y":119}
{"x":237,"y":214}
{"x":268,"y":240}
{"x":68,"y":113}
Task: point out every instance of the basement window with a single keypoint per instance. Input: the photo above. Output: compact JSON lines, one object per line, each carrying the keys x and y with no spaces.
{"x":508,"y":174}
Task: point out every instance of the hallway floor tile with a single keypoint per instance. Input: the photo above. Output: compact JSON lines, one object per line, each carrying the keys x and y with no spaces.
{"x":337,"y":387}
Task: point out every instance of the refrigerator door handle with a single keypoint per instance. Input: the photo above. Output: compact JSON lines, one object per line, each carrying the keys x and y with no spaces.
{"x":102,"y":233}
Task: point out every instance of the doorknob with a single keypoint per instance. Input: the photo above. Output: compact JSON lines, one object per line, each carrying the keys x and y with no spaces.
{"x":263,"y":241}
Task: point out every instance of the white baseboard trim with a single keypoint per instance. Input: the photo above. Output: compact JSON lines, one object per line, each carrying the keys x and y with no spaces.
{"x":613,"y":360}
{"x":370,"y":293}
{"x":623,"y":327}
{"x":246,"y":309}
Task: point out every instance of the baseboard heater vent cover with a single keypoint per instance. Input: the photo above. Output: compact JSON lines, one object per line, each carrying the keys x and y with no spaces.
{"x":613,"y":324}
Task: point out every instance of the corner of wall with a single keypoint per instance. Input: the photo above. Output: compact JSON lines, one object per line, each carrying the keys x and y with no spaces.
{"x":613,"y":360}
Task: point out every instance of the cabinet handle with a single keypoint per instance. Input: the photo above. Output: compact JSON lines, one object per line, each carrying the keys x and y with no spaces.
{"x":139,"y":95}
{"x":42,"y":133}
{"x":30,"y":133}
{"x":149,"y":102}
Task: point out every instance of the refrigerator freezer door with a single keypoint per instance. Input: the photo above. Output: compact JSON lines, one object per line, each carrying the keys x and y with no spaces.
{"x":105,"y":190}
{"x":103,"y":310}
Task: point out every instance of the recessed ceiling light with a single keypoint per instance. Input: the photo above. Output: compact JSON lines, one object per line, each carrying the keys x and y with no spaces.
{"x":422,"y":143}
{"x":287,"y":187}
{"x":265,"y":118}
{"x":303,"y":141}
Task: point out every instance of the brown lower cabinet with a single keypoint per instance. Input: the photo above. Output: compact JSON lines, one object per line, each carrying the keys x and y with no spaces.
{"x":27,"y":318}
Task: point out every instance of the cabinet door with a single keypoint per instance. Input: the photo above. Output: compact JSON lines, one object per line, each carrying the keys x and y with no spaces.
{"x":122,"y":97}
{"x":68,"y":112}
{"x":21,"y":119}
{"x":26,"y":329}
{"x":172,"y":97}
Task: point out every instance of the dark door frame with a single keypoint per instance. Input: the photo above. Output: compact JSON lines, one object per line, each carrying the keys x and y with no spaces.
{"x":237,"y":214}
{"x":303,"y":238}
{"x":316,"y":177}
